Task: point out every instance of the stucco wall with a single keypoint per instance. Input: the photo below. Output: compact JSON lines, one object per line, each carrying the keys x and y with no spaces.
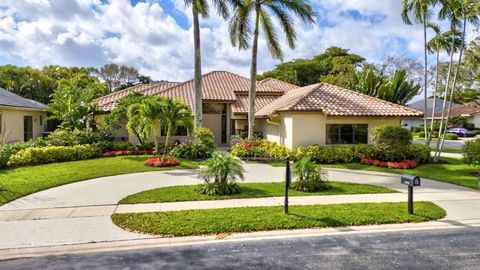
{"x":12,"y":123}
{"x":300,"y":129}
{"x":476,"y":120}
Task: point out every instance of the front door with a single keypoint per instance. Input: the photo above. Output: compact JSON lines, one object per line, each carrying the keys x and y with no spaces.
{"x":27,"y":128}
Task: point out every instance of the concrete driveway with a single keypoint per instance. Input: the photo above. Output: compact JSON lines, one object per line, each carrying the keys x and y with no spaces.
{"x":80,"y":212}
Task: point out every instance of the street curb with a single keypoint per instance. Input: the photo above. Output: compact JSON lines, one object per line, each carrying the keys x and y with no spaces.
{"x":158,"y":242}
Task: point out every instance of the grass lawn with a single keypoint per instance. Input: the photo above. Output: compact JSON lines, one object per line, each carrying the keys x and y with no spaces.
{"x":250,"y":190}
{"x":18,"y":182}
{"x":451,"y":170}
{"x":248,"y":219}
{"x":448,"y":150}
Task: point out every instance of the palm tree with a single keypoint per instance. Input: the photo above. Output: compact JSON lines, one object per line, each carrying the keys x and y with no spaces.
{"x":420,"y":10}
{"x":241,"y":31}
{"x":460,"y":13}
{"x":441,"y":41}
{"x":201,"y":7}
{"x":144,"y":119}
{"x":175,"y":113}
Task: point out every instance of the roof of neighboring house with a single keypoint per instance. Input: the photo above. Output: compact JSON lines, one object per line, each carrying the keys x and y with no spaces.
{"x":461,"y":110}
{"x":475,"y":103}
{"x":418,"y":105}
{"x":335,"y":101}
{"x":281,"y":86}
{"x":10,"y":99}
{"x":261,"y":101}
{"x":108,"y":102}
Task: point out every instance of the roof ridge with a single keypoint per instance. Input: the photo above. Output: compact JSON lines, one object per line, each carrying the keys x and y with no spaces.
{"x":309,"y":92}
{"x":126,"y":89}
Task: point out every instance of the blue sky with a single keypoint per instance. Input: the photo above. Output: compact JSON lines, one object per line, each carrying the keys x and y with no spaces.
{"x":155,"y":36}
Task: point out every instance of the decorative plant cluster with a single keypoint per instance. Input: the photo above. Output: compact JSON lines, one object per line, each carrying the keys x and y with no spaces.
{"x":407,"y":164}
{"x":310,"y":177}
{"x":127,"y":153}
{"x":50,"y":154}
{"x":202,"y":148}
{"x":252,"y":149}
{"x":162,"y":162}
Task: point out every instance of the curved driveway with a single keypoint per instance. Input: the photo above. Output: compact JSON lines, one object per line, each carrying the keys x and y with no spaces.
{"x":80,"y":212}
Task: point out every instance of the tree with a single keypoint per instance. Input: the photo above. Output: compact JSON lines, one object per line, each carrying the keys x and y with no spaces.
{"x":118,"y":77}
{"x":72,"y":101}
{"x":420,"y":10}
{"x":241,"y":31}
{"x":145,"y":118}
{"x":412,"y":66}
{"x":336,"y":66}
{"x":397,"y":88}
{"x":201,"y":7}
{"x":118,"y":115}
{"x":175,"y":113}
{"x":440,"y":42}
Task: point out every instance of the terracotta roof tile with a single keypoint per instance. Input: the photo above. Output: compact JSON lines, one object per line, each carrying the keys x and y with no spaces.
{"x":261,"y":101}
{"x":335,"y":101}
{"x":460,"y":110}
{"x":475,"y":103}
{"x":278,"y":85}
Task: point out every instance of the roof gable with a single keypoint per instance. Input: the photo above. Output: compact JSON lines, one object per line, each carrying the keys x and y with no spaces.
{"x":10,"y":99}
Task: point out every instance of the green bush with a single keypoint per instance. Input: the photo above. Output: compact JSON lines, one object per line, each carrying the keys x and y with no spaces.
{"x":8,"y":150}
{"x":49,"y":154}
{"x":477,"y":131}
{"x":203,"y":147}
{"x":418,"y":129}
{"x":310,"y":178}
{"x":471,"y":152}
{"x":61,"y":137}
{"x":327,"y":154}
{"x":451,"y":136}
{"x":421,"y":134}
{"x":392,"y":142}
{"x":419,"y":152}
{"x":123,"y":146}
{"x":435,"y":134}
{"x":222,"y":172}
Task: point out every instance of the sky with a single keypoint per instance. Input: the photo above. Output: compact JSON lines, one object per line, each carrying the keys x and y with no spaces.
{"x":155,"y":36}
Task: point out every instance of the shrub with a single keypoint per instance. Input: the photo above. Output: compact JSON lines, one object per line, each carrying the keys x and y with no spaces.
{"x":222,"y":172}
{"x":160,"y":162}
{"x":421,"y":134}
{"x":435,"y":134}
{"x":451,"y":136}
{"x":61,"y":137}
{"x":127,"y":153}
{"x":327,"y":154}
{"x":310,"y":178}
{"x":471,"y":152}
{"x":203,"y":147}
{"x":477,"y":131}
{"x":417,"y":129}
{"x":123,"y":146}
{"x":407,"y":164}
{"x":8,"y":150}
{"x":418,"y":152}
{"x":392,"y":142}
{"x":40,"y":155}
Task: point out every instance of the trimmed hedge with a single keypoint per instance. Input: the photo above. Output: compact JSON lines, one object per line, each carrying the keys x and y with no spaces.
{"x":471,"y":152}
{"x":451,"y":136}
{"x":40,"y":155}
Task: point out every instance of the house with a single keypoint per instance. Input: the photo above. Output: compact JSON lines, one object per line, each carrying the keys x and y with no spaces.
{"x":470,"y":110}
{"x":294,"y":116}
{"x":419,"y":105}
{"x":21,"y":119}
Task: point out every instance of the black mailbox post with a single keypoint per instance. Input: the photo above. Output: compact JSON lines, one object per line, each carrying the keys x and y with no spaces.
{"x":411,"y":181}
{"x":288,"y":179}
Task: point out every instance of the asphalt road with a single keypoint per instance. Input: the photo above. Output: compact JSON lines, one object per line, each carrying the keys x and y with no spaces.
{"x":433,"y":249}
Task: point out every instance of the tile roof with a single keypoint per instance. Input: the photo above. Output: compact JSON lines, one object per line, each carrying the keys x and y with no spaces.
{"x":418,"y":105}
{"x":475,"y":103}
{"x":278,"y":85}
{"x":461,"y":110}
{"x":335,"y":101}
{"x":261,"y":101}
{"x":10,"y":99}
{"x":108,"y":102}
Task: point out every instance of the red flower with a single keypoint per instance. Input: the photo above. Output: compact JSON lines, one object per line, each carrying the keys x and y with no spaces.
{"x":160,"y":162}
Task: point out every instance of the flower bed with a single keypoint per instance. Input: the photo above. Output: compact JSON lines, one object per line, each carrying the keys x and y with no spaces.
{"x":127,"y":153}
{"x":160,"y":162}
{"x":407,"y":164}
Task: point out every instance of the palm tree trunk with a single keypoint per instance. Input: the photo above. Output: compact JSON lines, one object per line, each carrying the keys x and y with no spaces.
{"x":253,"y":77}
{"x":198,"y":68}
{"x":166,"y":144}
{"x":454,"y":84}
{"x":425,"y":86}
{"x":155,"y":139}
{"x":434,"y":98}
{"x":445,"y":96}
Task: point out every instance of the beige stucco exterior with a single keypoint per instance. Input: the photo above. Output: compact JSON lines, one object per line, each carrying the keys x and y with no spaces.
{"x":303,"y":128}
{"x":12,"y":124}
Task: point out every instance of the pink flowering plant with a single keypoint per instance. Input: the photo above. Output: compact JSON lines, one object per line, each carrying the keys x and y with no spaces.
{"x":162,"y":162}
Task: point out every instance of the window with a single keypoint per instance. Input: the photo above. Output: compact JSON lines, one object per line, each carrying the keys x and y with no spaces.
{"x":347,"y":133}
{"x":239,"y":127}
{"x":41,"y":120}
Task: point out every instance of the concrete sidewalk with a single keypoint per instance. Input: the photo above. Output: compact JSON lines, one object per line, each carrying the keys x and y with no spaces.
{"x":79,"y":213}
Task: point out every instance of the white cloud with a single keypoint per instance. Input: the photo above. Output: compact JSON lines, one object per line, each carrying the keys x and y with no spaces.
{"x":94,"y":32}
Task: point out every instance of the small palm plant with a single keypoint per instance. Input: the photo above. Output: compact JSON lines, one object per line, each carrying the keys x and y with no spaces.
{"x":310,"y":178}
{"x":222,"y":172}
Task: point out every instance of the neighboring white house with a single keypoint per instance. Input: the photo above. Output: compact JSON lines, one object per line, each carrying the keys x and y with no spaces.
{"x":21,"y":119}
{"x":419,"y":105}
{"x":290,"y":115}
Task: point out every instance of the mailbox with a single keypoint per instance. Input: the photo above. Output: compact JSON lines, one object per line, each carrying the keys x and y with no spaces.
{"x":410,"y":180}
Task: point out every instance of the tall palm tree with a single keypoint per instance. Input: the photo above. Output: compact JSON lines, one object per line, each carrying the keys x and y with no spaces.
{"x":241,"y":31}
{"x":459,"y":13}
{"x":420,"y":10}
{"x":440,"y":42}
{"x":145,"y":117}
{"x":175,"y":113}
{"x":201,"y":7}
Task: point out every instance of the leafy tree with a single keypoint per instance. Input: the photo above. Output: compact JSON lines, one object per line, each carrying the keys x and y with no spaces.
{"x":72,"y":101}
{"x":175,"y":113}
{"x":145,"y":118}
{"x":118,"y":116}
{"x":242,"y":30}
{"x":397,"y":88}
{"x":335,"y":66}
{"x":393,"y":63}
{"x":118,"y":77}
{"x":201,"y":7}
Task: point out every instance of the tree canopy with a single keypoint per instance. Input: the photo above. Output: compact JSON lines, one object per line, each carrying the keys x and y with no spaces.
{"x":335,"y":65}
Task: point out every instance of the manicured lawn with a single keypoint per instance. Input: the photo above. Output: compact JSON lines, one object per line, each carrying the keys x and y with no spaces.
{"x":448,"y":150}
{"x":248,"y":219}
{"x":450,"y":170}
{"x":18,"y":182}
{"x":250,"y":190}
